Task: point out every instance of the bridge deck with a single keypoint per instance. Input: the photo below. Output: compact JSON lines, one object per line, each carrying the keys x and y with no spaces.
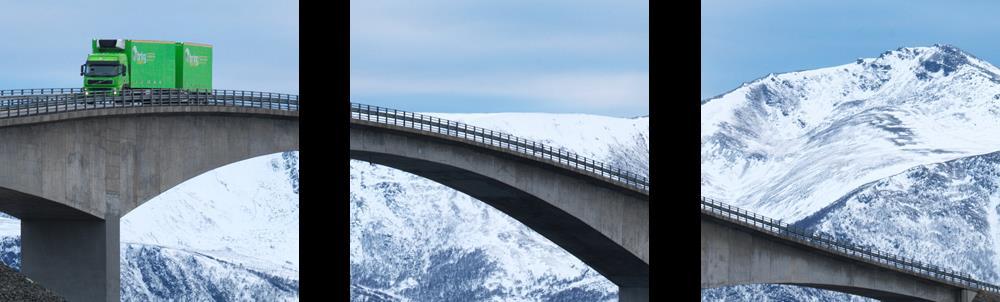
{"x":822,"y":243}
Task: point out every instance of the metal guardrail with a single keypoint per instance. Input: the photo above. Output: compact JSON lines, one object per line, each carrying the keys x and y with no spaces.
{"x":498,"y":139}
{"x":829,"y":244}
{"x":15,"y":92}
{"x":27,"y":102}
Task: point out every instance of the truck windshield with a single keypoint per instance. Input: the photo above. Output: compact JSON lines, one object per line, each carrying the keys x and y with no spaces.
{"x":101,"y":70}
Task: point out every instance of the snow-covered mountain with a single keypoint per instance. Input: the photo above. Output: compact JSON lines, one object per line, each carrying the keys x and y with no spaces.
{"x":776,"y":293}
{"x":230,"y":234}
{"x":947,"y":214}
{"x":154,"y":273}
{"x":894,"y":152}
{"x":787,"y":145}
{"x":245,"y":212}
{"x":416,"y":240}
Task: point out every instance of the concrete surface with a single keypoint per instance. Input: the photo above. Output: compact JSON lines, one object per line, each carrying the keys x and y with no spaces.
{"x":70,"y":176}
{"x":733,"y":255}
{"x":603,"y":224}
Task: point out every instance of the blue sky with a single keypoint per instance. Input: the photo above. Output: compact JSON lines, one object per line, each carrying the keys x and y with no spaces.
{"x":745,"y":40}
{"x":255,"y":42}
{"x":501,"y":56}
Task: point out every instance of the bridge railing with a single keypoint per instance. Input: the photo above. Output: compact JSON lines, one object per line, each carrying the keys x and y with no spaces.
{"x":37,"y":91}
{"x":825,"y":242}
{"x":497,"y":139}
{"x":27,"y":102}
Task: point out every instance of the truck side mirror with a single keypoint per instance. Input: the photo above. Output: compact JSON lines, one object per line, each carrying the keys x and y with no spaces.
{"x":81,"y":68}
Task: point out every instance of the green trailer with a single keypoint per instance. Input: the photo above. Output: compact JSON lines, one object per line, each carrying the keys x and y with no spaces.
{"x":153,"y":64}
{"x":120,"y":65}
{"x":194,"y":66}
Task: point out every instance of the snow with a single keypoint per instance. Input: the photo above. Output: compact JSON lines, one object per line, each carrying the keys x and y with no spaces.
{"x":154,"y":273}
{"x":408,"y":234}
{"x":245,"y":212}
{"x":896,"y":153}
{"x":588,"y":135}
{"x":230,"y":233}
{"x":944,"y":214}
{"x":790,"y":144}
{"x":10,"y":227}
{"x":404,"y":228}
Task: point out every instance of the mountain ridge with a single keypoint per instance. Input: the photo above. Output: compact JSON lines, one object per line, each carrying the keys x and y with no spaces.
{"x":862,"y":60}
{"x":891,"y":152}
{"x":868,"y":119}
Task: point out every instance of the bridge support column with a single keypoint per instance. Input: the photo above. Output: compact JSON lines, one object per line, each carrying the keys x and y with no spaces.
{"x":633,"y":294}
{"x":76,"y":259}
{"x":966,"y":295}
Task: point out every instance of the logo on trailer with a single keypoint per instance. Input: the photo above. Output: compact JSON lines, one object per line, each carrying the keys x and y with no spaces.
{"x":142,"y":58}
{"x":193,"y":60}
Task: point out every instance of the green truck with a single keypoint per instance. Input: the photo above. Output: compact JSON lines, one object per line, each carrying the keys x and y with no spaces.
{"x":120,"y":65}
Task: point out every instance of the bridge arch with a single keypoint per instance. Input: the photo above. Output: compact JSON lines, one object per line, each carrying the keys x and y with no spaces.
{"x":70,"y":176}
{"x":82,"y":158}
{"x":603,"y":224}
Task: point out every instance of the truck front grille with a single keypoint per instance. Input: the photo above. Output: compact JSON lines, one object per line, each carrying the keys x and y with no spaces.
{"x":99,"y":82}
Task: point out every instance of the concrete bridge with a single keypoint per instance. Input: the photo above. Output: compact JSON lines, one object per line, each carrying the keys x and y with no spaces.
{"x":739,"y":247}
{"x":598,"y":214}
{"x":71,"y":167}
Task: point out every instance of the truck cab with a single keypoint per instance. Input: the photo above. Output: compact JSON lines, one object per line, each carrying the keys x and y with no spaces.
{"x":106,"y":68}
